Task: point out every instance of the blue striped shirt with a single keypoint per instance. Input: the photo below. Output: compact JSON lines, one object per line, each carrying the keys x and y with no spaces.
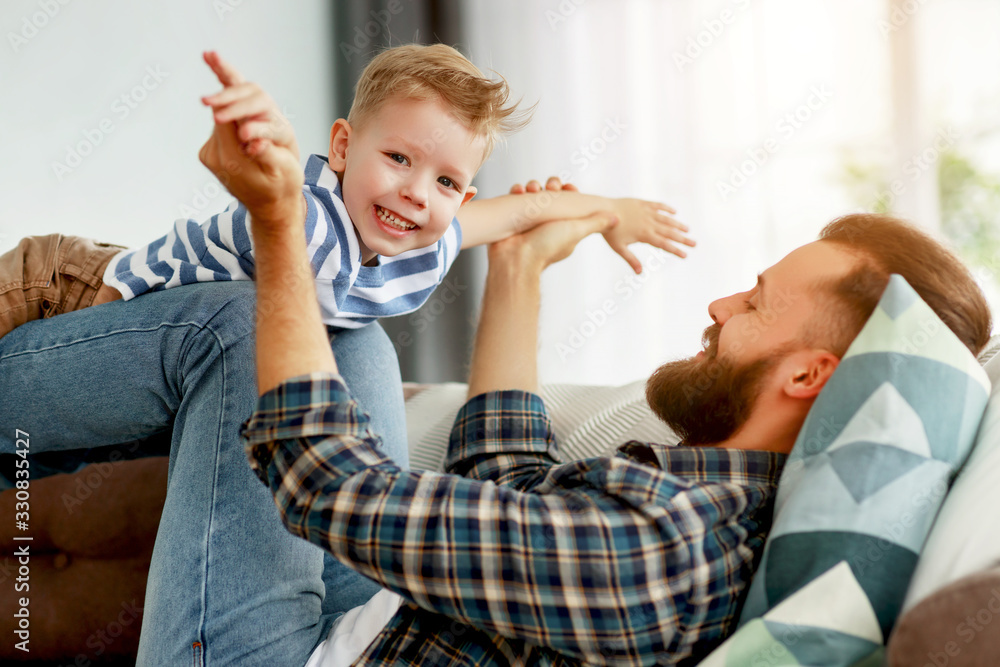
{"x":350,"y":294}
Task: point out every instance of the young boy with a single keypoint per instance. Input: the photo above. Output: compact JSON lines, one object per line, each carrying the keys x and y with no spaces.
{"x":381,"y":209}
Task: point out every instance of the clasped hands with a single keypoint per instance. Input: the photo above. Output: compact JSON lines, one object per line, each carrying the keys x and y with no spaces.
{"x":554,"y":241}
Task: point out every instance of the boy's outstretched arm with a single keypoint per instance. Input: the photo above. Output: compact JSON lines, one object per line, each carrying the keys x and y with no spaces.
{"x":489,"y":220}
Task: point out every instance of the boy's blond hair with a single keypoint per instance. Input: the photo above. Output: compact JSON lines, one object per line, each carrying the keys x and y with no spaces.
{"x":414,"y":71}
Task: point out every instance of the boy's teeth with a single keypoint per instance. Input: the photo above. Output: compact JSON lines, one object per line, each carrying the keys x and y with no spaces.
{"x":392,"y":220}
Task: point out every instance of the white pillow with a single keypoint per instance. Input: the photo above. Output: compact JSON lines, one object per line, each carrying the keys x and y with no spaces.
{"x":966,"y":534}
{"x":589,"y":421}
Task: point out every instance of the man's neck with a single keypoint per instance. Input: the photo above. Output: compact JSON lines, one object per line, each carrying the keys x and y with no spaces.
{"x":771,"y":428}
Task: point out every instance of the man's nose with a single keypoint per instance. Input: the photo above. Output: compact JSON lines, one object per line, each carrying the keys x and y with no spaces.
{"x":722,"y":309}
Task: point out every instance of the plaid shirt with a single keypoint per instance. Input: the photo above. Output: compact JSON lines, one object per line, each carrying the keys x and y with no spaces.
{"x":516,"y":558}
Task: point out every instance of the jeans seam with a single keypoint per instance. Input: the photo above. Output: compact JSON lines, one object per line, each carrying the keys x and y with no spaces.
{"x":215,"y":477}
{"x":171,"y":325}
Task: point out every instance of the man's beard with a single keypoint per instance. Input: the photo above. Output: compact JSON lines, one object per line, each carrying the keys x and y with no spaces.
{"x":706,"y":400}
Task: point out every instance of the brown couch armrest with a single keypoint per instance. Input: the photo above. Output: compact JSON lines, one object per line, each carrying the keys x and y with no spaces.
{"x":958,"y":626}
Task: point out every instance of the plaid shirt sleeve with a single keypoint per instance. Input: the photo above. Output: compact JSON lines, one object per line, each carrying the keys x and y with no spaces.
{"x":594,"y":559}
{"x":503,"y":437}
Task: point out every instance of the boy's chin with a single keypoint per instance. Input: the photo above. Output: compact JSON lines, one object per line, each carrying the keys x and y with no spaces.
{"x":388,"y":250}
{"x":382,"y":248}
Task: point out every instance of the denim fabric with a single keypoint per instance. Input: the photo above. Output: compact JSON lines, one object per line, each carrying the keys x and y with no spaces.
{"x":228,"y":585}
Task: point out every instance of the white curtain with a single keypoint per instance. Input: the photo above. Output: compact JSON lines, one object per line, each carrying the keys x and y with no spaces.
{"x":742,"y":114}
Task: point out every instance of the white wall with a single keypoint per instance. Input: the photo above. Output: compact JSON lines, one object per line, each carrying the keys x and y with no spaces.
{"x":91,"y":65}
{"x":690,"y":93}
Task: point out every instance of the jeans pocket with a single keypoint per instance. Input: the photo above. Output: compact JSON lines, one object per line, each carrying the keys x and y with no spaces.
{"x":197,"y":655}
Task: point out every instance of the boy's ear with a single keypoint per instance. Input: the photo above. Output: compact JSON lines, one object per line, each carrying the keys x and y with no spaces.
{"x":469,"y":194}
{"x":340,"y":135}
{"x":809,"y":372}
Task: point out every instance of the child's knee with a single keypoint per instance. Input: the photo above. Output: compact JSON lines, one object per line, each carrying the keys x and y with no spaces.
{"x":47,"y":275}
{"x":27,"y":281}
{"x":81,"y":263}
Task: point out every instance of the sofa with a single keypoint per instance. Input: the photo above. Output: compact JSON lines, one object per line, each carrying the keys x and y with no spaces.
{"x":947,"y":618}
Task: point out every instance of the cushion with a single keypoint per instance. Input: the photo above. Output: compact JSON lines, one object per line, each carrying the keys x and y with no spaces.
{"x":589,"y":421}
{"x":956,"y":626}
{"x":860,"y":490}
{"x":965,"y":538}
{"x":989,"y":358}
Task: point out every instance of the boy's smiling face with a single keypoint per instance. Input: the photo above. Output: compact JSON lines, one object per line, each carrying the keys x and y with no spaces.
{"x":404,"y":173}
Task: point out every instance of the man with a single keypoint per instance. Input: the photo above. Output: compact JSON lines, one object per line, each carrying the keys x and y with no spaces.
{"x":514,"y":558}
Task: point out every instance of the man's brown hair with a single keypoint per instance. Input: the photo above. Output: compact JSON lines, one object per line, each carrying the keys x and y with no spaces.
{"x":886,"y":245}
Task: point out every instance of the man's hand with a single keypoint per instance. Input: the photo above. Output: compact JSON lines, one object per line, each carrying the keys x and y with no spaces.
{"x":252,"y":150}
{"x":640,"y":221}
{"x":553,"y":241}
{"x":549,"y":242}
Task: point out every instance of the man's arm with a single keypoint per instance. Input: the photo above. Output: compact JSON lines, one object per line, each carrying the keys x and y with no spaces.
{"x":506,"y":349}
{"x":600,"y":564}
{"x":256,"y":156}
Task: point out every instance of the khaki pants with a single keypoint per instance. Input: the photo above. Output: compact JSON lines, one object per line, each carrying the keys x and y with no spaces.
{"x":48,"y":275}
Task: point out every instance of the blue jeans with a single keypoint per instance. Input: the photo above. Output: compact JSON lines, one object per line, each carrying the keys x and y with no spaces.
{"x":228,"y":585}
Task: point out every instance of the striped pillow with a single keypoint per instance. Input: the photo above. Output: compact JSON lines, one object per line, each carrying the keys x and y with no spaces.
{"x":588,"y":421}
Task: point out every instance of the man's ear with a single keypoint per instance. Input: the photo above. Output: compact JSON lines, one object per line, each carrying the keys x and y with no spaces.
{"x":340,"y":135}
{"x":469,"y":194}
{"x":810,"y":369}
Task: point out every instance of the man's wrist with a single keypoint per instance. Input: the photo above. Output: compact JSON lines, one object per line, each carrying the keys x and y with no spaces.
{"x":289,"y":212}
{"x":515,"y":256}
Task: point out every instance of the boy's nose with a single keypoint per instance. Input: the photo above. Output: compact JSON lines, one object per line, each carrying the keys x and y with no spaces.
{"x":415,"y":193}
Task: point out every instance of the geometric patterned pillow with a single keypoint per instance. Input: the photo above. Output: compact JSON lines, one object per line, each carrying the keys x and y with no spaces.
{"x":859,"y":492}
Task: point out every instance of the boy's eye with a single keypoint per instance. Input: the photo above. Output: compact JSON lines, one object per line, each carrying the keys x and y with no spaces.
{"x":446,"y":182}
{"x":396,"y":157}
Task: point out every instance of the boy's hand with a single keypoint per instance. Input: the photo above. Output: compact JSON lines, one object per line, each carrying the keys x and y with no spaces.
{"x":640,"y":222}
{"x":252,"y":149}
{"x":646,"y":222}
